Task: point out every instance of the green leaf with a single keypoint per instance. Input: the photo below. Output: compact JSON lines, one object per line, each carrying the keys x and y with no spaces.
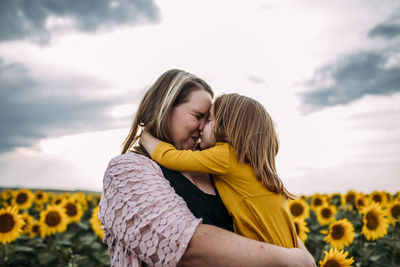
{"x":46,"y":257}
{"x":87,"y":239}
{"x":24,"y":249}
{"x":374,"y":257}
{"x":83,"y":225}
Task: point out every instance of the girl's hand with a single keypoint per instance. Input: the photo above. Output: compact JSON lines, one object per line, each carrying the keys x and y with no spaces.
{"x":149,"y":142}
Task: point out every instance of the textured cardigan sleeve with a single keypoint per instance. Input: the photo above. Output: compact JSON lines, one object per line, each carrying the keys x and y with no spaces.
{"x":143,"y":218}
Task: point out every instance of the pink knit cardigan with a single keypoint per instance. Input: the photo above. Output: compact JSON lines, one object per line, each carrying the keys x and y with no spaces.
{"x":143,"y":218}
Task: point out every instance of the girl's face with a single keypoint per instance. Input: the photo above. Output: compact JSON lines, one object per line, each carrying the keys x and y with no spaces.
{"x":207,"y":136}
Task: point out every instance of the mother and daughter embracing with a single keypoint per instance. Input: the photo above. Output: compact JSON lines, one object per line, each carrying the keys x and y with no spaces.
{"x":166,"y":203}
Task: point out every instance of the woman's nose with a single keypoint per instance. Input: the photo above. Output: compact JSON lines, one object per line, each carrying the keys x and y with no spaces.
{"x":201,"y":125}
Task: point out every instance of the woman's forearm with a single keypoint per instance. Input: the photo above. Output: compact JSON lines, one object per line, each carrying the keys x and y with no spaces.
{"x":212,"y":246}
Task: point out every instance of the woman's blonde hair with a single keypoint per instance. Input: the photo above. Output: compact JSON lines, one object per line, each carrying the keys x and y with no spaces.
{"x":171,"y":89}
{"x":245,"y":124}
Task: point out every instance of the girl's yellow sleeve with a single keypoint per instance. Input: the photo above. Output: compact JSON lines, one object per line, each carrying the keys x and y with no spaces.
{"x":214,"y":160}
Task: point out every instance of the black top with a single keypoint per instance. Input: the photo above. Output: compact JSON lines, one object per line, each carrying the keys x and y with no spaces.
{"x":202,"y":205}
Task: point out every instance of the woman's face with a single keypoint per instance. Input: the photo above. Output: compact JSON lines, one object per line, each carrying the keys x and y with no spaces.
{"x":188,"y":119}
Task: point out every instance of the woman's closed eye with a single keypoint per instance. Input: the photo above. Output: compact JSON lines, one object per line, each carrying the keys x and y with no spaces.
{"x":199,"y":116}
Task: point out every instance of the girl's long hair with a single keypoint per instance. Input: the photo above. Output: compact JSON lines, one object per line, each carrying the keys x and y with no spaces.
{"x":245,"y":124}
{"x":171,"y":89}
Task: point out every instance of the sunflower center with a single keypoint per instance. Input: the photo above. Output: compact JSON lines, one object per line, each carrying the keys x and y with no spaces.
{"x":317,"y":202}
{"x":35,"y":229}
{"x":337,"y":232}
{"x":332,"y":263}
{"x":53,"y":218}
{"x":372,"y":221}
{"x":71,"y":210}
{"x":360,"y":203}
{"x":350,"y":198}
{"x":377,"y":198}
{"x":39,"y":196}
{"x":395,"y":211}
{"x":58,"y":201}
{"x":6,"y":223}
{"x":326,"y":213}
{"x":296,"y":209}
{"x":22,"y":198}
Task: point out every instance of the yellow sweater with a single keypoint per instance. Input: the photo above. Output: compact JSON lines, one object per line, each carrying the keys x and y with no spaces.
{"x":257,"y":212}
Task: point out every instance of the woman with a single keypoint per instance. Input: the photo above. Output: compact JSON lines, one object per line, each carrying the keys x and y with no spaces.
{"x":146,"y":222}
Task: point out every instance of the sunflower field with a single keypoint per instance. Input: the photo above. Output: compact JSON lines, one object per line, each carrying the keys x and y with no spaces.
{"x":42,"y":228}
{"x":39,"y":228}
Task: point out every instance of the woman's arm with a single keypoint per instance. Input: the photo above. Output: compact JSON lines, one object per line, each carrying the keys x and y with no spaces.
{"x":230,"y":249}
{"x":301,"y":246}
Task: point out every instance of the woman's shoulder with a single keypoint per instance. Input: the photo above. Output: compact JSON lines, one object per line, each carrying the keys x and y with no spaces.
{"x":132,"y":158}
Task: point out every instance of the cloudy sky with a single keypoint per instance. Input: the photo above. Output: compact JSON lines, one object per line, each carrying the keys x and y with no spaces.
{"x":72,"y":74}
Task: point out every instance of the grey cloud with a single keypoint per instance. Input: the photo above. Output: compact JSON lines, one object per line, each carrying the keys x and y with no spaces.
{"x":31,"y":109}
{"x":20,"y":19}
{"x":389,"y":29}
{"x":351,"y":78}
{"x":385,"y":30}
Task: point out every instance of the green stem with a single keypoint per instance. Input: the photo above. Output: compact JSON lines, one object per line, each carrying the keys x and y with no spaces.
{"x":395,"y":234}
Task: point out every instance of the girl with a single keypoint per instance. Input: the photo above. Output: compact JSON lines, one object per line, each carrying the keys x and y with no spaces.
{"x":239,"y":145}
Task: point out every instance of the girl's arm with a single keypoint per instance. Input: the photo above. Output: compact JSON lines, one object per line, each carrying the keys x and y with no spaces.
{"x":149,"y":142}
{"x":214,"y":160}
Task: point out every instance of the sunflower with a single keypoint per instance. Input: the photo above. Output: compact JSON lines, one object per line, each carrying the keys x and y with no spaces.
{"x":52,"y":220}
{"x":34,"y":229}
{"x":336,"y":258}
{"x":299,"y":208}
{"x":394,"y":211}
{"x":6,"y":198}
{"x":349,"y":198}
{"x":80,"y":198}
{"x":95,"y":223}
{"x":27,"y":223}
{"x":340,"y":234}
{"x":326,"y":214}
{"x":317,"y":200}
{"x":361,"y":201}
{"x":378,"y":197}
{"x":375,"y":224}
{"x":6,"y":194}
{"x":57,"y":200}
{"x":10,"y":225}
{"x":301,"y":228}
{"x":41,"y":197}
{"x":73,"y":210}
{"x":389,"y":196}
{"x":22,"y":199}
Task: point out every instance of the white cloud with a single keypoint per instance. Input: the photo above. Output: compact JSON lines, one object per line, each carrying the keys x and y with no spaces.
{"x":226,"y":42}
